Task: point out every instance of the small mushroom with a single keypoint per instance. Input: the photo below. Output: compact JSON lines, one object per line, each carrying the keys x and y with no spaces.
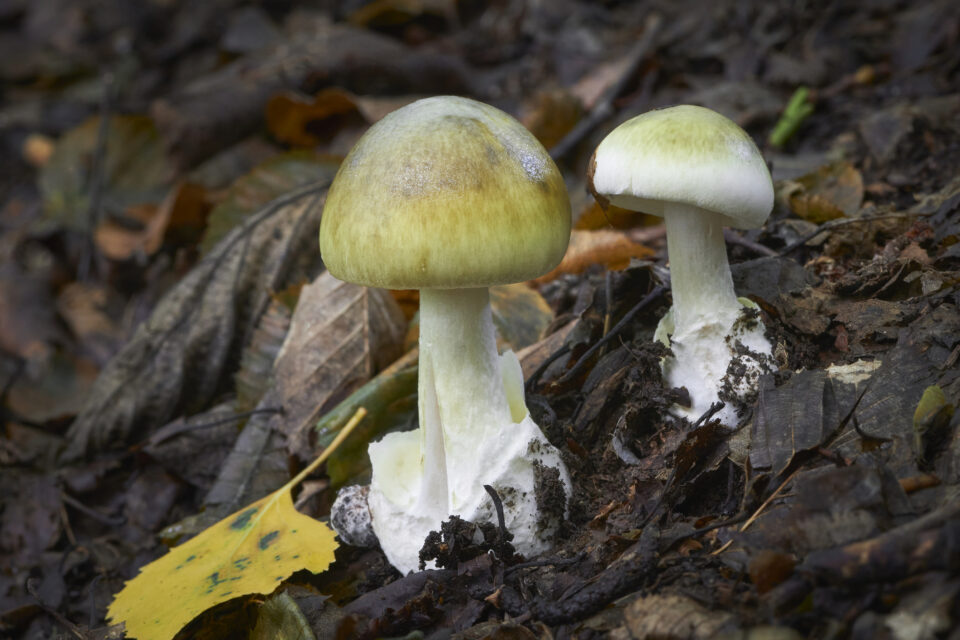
{"x":700,"y":172}
{"x":450,"y":196}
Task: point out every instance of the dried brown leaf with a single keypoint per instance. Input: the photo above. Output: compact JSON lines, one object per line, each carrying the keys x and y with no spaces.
{"x":304,"y":121}
{"x":830,"y":192}
{"x":340,"y":335}
{"x":613,"y":249}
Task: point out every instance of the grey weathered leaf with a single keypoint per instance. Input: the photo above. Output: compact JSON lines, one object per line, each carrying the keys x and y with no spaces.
{"x":183,"y":355}
{"x":340,"y":335}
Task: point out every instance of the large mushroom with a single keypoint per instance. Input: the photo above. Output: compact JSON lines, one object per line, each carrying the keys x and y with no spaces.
{"x":450,"y":196}
{"x":700,"y":172}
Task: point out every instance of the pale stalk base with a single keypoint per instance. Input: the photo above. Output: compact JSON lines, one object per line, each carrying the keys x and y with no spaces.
{"x":467,"y":438}
{"x":707,"y":320}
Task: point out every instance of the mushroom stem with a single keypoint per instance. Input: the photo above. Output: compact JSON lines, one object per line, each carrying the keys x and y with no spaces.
{"x":699,"y":272}
{"x":462,"y":399}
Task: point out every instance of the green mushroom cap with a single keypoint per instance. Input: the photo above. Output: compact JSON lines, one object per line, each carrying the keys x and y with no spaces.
{"x":445,"y":192}
{"x":687,"y":155}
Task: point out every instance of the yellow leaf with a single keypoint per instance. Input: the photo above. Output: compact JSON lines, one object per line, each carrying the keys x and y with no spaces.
{"x":250,"y":551}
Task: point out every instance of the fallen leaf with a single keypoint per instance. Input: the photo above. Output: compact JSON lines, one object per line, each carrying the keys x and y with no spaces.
{"x":304,"y":121}
{"x":250,"y":551}
{"x":340,"y":335}
{"x":391,"y":400}
{"x":613,"y":249}
{"x":596,"y":217}
{"x":520,"y":315}
{"x":256,"y":364}
{"x":552,"y":115}
{"x":830,"y":192}
{"x":135,"y":170}
{"x":279,"y":618}
{"x":271,"y":179}
{"x":122,"y":242}
{"x":180,"y":358}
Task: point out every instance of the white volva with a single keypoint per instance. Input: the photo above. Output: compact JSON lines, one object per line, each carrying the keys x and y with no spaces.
{"x":467,"y":438}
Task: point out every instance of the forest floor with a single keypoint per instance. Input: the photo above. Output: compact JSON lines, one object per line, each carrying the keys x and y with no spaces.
{"x":164,"y":168}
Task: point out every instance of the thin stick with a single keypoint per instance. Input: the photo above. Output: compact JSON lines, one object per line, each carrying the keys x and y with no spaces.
{"x":843,"y":222}
{"x":650,"y":297}
{"x":95,"y":184}
{"x":344,"y":432}
{"x":604,"y":107}
{"x":756,"y":514}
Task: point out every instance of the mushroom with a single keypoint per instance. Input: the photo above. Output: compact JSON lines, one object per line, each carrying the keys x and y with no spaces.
{"x":450,"y":196}
{"x":700,"y":172}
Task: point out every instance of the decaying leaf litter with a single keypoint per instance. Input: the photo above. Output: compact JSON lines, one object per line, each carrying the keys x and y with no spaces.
{"x":150,"y":275}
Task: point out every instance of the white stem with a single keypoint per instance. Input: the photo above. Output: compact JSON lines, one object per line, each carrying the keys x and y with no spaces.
{"x":462,"y":401}
{"x":699,"y":271}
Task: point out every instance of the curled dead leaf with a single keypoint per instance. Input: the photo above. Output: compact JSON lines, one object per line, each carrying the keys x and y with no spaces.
{"x":613,"y":249}
{"x":304,"y":121}
{"x":830,"y":192}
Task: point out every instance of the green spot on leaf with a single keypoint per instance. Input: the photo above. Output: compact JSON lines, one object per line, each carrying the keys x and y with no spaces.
{"x":243,"y":520}
{"x":268,"y":539}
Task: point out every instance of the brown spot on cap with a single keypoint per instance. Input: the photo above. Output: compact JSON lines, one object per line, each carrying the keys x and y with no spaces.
{"x":592,"y":169}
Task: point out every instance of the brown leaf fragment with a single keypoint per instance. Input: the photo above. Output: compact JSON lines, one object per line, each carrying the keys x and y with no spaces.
{"x":676,"y":617}
{"x":340,"y":335}
{"x":552,"y":114}
{"x":888,"y":557}
{"x":769,"y":568}
{"x":304,"y":121}
{"x":256,"y":466}
{"x":195,"y":448}
{"x":181,"y":356}
{"x":831,"y":192}
{"x":31,"y":515}
{"x":613,"y":249}
{"x":791,"y":418}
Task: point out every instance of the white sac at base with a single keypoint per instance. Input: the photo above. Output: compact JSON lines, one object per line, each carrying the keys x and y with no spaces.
{"x":711,"y":360}
{"x":506,"y":462}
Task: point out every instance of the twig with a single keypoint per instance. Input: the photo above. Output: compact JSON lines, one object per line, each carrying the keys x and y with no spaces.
{"x":546,"y":562}
{"x":96,"y":515}
{"x":213,"y":423}
{"x":553,"y":357}
{"x":501,"y":522}
{"x":97,"y":170}
{"x":604,"y":107}
{"x":733,"y":237}
{"x":56,"y":615}
{"x":842,"y":222}
{"x":760,"y":509}
{"x":650,"y":297}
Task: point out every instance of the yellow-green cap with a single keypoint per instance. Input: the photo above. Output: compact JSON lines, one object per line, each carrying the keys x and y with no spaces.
{"x":445,"y":192}
{"x":685,"y":154}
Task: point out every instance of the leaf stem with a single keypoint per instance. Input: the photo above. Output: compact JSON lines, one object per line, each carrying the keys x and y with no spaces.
{"x":344,"y":432}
